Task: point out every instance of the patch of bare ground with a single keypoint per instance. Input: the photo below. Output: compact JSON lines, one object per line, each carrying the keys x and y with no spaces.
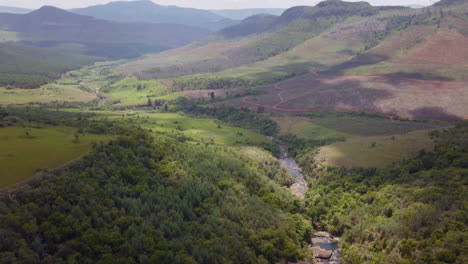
{"x":393,"y":96}
{"x":443,"y":48}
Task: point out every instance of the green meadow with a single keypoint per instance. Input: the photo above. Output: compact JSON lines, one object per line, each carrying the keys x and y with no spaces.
{"x":374,"y":151}
{"x":26,"y":151}
{"x":370,"y":141}
{"x":195,"y":129}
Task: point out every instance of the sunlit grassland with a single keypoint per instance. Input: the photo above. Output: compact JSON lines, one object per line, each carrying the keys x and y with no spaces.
{"x":374,"y":151}
{"x":202,"y":130}
{"x":370,"y":141}
{"x":131,"y":91}
{"x":46,"y":94}
{"x":24,"y":151}
{"x":7,"y":36}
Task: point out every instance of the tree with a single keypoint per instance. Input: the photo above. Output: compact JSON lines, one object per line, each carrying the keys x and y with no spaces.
{"x":149,"y":103}
{"x":76,"y":140}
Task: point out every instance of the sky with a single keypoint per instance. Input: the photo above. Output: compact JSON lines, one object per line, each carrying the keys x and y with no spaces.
{"x":201,"y":4}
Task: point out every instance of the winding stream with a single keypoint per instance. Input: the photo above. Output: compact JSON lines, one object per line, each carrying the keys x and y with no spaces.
{"x":323,"y":245}
{"x":299,"y":187}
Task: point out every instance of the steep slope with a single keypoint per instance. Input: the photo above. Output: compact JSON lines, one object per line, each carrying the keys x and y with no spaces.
{"x":30,"y":67}
{"x":51,"y":26}
{"x":147,"y":11}
{"x":256,"y":38}
{"x":241,"y":14}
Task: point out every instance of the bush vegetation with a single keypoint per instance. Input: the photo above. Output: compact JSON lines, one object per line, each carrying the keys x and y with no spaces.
{"x":412,"y":212}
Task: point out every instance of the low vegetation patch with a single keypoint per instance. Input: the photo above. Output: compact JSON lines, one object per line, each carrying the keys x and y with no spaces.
{"x":26,"y":151}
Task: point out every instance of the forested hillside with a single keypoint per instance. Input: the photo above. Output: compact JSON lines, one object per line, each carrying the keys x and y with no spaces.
{"x":153,"y":199}
{"x":30,"y":67}
{"x":412,"y":212}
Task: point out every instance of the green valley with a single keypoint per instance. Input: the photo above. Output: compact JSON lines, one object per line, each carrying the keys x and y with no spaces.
{"x":144,"y":133}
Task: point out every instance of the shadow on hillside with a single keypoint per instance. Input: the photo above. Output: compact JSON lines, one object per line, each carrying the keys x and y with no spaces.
{"x":361,"y":60}
{"x":349,"y":95}
{"x":433,"y":113}
{"x":417,"y":75}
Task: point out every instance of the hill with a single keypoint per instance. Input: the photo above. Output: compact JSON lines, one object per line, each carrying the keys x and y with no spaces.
{"x":15,"y":10}
{"x":53,"y":27}
{"x":147,"y":11}
{"x":241,"y":14}
{"x":30,"y":67}
{"x":391,"y":60}
{"x":256,"y":38}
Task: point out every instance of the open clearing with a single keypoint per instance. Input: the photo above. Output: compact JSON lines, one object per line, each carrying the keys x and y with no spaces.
{"x":46,"y":94}
{"x":21,"y":156}
{"x":370,"y":141}
{"x":376,"y":151}
{"x":196,"y":129}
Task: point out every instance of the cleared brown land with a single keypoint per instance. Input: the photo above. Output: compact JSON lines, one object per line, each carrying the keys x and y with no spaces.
{"x":442,"y":48}
{"x":393,"y":96}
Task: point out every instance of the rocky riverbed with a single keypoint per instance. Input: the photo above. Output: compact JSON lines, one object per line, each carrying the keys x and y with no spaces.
{"x":323,"y":245}
{"x":299,"y":187}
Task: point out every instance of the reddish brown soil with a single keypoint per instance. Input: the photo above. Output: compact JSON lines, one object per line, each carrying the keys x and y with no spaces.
{"x":377,"y":94}
{"x":443,"y":48}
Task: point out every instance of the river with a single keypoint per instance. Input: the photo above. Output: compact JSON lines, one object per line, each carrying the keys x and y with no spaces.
{"x":323,"y":245}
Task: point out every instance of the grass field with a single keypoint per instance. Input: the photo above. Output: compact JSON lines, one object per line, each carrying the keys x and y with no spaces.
{"x":131,"y":91}
{"x":375,"y":151}
{"x":304,"y":127}
{"x":370,"y":141}
{"x":196,"y":129}
{"x":21,"y":156}
{"x":7,"y":36}
{"x":46,"y":94}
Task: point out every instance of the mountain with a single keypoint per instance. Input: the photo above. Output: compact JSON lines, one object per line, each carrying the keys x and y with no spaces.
{"x":241,"y":14}
{"x":415,"y":6}
{"x":52,"y":27}
{"x":383,"y":55}
{"x":30,"y":67}
{"x":14,"y":10}
{"x":147,"y":11}
{"x":256,"y":38}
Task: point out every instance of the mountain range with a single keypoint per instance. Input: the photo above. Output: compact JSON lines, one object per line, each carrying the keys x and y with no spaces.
{"x":52,"y":27}
{"x":147,"y":11}
{"x":380,"y":56}
{"x":14,"y":10}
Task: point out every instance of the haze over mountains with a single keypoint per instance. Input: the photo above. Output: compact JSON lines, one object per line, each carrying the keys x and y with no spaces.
{"x":147,"y":11}
{"x":50,"y":26}
{"x":14,"y":10}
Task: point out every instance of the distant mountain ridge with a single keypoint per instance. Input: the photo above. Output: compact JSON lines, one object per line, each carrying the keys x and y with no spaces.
{"x":49,"y":26}
{"x":148,"y":11}
{"x":14,"y":10}
{"x":241,"y":14}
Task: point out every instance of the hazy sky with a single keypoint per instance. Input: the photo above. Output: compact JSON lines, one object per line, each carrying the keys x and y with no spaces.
{"x":202,"y":4}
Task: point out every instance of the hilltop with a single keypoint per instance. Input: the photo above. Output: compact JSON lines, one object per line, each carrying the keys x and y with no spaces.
{"x":149,"y":12}
{"x":241,"y":14}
